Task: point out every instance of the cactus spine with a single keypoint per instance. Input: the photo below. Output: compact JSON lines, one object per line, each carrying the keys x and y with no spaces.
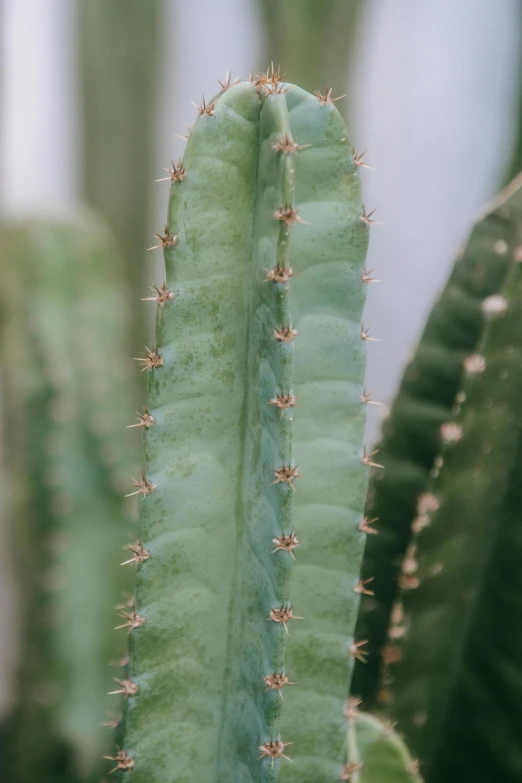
{"x":62,"y":312}
{"x":457,"y":684}
{"x":412,"y":438}
{"x":264,"y":251}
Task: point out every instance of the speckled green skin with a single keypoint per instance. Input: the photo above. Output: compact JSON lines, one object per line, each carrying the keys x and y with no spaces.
{"x":63,"y":334}
{"x":212,"y":579}
{"x":457,"y":690}
{"x":411,"y":434}
{"x":380,"y":751}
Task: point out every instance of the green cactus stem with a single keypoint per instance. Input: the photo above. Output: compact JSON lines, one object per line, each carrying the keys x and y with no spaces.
{"x":455,"y":676}
{"x":411,"y":438}
{"x":254,"y":479}
{"x":63,"y":335}
{"x":374,"y":752}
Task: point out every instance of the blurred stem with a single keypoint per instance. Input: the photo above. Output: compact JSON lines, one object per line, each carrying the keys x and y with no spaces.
{"x":119,"y":44}
{"x":311,"y":40}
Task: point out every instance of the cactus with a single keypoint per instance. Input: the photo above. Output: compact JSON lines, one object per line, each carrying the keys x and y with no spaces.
{"x":63,"y":340}
{"x":411,"y":437}
{"x":119,"y":55}
{"x":255,"y":474}
{"x":311,"y":39}
{"x":452,"y":665}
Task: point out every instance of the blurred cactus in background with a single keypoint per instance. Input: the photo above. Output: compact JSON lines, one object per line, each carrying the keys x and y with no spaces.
{"x":66,"y":393}
{"x":311,"y":40}
{"x":119,"y":57}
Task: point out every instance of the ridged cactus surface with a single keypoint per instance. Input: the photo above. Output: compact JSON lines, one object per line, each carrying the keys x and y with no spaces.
{"x":63,"y":339}
{"x":453,"y":671}
{"x":255,"y":475}
{"x":412,"y":437}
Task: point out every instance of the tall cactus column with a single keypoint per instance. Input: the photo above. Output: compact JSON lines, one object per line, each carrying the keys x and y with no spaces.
{"x":248,"y":561}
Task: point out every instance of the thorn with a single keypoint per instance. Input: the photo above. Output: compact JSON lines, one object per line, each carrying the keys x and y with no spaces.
{"x":123,"y":761}
{"x":287,"y":145}
{"x":351,"y":710}
{"x":145,"y":487}
{"x":205,"y":108}
{"x":274,"y":750}
{"x":365,"y":335}
{"x":414,"y":767}
{"x":289,"y":216}
{"x":161,"y":295}
{"x":276,"y":682}
{"x":132,"y":620}
{"x":113,"y":721}
{"x":283,"y":401}
{"x":152,"y":359}
{"x":227,"y":84}
{"x":451,"y":432}
{"x":390,"y":654}
{"x":279,"y":275}
{"x":176,"y":173}
{"x":285,"y":543}
{"x":283,"y":615}
{"x":365,"y":397}
{"x":127,"y":688}
{"x":165,"y":240}
{"x":270,"y":81}
{"x":348,"y":770}
{"x":144,"y":420}
{"x":357,"y":653}
{"x":366,"y":458}
{"x":359,"y":160}
{"x":360,"y":587}
{"x":285,"y":475}
{"x":286,"y":334}
{"x":139,"y":553}
{"x":365,"y":526}
{"x":367,"y":217}
{"x":474,"y":363}
{"x":123,"y":661}
{"x":327,"y":97}
{"x":367,"y":278}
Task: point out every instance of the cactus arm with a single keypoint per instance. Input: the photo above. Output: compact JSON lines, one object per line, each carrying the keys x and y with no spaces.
{"x":411,"y":435}
{"x":457,"y":684}
{"x":376,"y":754}
{"x":311,"y":40}
{"x":208,"y":638}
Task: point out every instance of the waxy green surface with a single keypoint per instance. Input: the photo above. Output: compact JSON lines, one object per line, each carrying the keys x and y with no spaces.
{"x":212,"y":579}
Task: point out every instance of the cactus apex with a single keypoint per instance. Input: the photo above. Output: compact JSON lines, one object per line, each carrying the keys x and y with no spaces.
{"x":205,"y":108}
{"x":327,"y":97}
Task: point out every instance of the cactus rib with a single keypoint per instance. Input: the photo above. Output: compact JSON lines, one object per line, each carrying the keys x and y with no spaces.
{"x":267,"y":276}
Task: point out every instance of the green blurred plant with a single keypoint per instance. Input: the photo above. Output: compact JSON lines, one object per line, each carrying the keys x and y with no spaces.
{"x":65,"y":395}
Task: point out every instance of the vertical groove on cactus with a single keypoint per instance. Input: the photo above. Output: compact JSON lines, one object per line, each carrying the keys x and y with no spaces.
{"x":266,"y":274}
